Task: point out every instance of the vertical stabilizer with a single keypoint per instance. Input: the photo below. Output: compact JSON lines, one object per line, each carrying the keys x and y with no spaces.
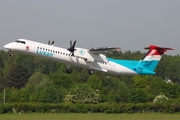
{"x":152,"y":58}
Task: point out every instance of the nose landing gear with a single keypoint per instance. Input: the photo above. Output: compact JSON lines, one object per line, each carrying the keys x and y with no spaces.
{"x":11,"y":53}
{"x":68,"y":69}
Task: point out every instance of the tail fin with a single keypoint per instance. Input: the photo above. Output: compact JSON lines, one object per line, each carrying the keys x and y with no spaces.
{"x":152,"y":58}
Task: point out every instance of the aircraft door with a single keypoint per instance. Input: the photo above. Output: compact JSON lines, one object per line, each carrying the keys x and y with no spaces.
{"x":30,"y":47}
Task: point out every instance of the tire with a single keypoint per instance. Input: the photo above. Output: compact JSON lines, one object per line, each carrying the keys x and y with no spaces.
{"x":68,"y":71}
{"x":91,"y":71}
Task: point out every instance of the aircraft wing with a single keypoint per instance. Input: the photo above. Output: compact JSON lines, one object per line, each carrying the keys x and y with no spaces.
{"x":103,"y":50}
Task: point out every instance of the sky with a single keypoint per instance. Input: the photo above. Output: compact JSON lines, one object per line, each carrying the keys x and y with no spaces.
{"x":128,"y":24}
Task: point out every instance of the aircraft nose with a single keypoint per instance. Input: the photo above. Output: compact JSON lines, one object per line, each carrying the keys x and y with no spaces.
{"x":8,"y":46}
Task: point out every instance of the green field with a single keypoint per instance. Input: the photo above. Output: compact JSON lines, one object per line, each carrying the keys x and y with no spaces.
{"x":94,"y":116}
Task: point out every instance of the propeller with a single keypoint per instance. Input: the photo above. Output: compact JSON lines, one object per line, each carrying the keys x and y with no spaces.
{"x":49,"y":42}
{"x":52,"y":42}
{"x":72,"y":47}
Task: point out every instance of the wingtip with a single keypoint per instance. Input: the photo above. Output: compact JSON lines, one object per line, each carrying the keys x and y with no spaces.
{"x":117,"y":48}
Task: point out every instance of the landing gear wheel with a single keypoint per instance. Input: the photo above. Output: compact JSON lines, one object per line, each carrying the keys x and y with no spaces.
{"x":11,"y":53}
{"x":68,"y":71}
{"x":91,"y":71}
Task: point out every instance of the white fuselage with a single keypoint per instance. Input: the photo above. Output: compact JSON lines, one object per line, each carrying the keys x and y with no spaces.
{"x":82,"y":57}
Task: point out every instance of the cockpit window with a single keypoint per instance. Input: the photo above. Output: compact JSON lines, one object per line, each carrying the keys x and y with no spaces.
{"x":23,"y":42}
{"x":18,"y":41}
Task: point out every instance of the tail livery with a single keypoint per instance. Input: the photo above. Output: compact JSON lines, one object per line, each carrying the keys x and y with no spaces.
{"x":151,"y":59}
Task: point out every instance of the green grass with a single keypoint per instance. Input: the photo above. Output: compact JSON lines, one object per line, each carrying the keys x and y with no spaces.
{"x":94,"y":116}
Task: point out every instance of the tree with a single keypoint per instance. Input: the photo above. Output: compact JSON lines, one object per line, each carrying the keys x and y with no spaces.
{"x":95,"y":82}
{"x":34,"y":81}
{"x":154,"y":87}
{"x":83,"y":76}
{"x":17,"y":76}
{"x":1,"y":61}
{"x":137,"y":96}
{"x":141,"y":81}
{"x":170,"y":90}
{"x":47,"y":94}
{"x":45,"y":66}
{"x":61,"y":80}
{"x":2,"y":66}
{"x":27,"y":62}
{"x":2,"y":84}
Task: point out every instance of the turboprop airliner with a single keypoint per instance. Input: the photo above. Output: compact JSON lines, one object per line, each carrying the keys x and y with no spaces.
{"x":92,"y":59}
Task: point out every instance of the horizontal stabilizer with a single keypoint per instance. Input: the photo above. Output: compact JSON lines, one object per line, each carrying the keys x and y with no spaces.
{"x":159,"y":50}
{"x":157,"y":47}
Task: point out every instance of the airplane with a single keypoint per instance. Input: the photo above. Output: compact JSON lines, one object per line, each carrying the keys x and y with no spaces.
{"x":92,"y":59}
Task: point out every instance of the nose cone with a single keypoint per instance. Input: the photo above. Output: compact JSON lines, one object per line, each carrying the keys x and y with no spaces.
{"x":8,"y":46}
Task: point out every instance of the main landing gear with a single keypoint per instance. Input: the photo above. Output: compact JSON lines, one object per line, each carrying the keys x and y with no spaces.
{"x":91,"y":71}
{"x":68,"y":69}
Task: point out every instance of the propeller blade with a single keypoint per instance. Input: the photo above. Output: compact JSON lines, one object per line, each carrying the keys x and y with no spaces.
{"x":74,"y":44}
{"x":52,"y":43}
{"x":71,"y":43}
{"x":49,"y":42}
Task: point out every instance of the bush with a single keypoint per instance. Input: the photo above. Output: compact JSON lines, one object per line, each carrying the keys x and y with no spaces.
{"x":85,"y":108}
{"x":5,"y":108}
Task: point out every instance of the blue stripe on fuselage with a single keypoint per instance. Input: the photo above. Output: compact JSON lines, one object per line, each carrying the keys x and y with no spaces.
{"x":137,"y":66}
{"x":131,"y":64}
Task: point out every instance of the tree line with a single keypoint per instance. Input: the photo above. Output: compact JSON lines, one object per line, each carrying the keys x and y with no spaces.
{"x":31,"y":79}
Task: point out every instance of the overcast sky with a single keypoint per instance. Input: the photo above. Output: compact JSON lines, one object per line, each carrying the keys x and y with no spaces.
{"x":128,"y":24}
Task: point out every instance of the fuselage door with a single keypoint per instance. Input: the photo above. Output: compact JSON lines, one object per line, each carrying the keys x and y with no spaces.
{"x":30,"y":46}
